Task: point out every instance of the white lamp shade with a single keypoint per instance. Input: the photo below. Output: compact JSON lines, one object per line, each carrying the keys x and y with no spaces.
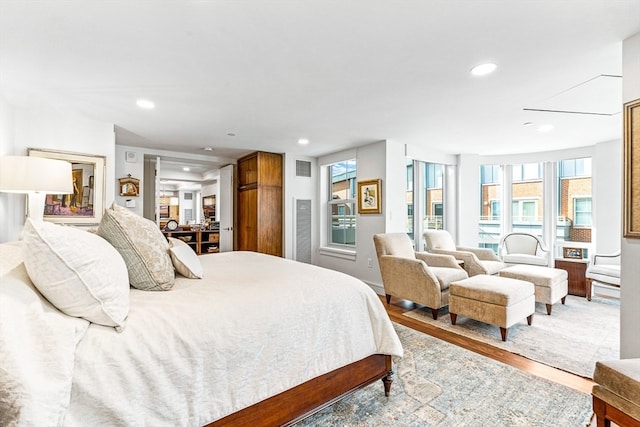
{"x":27,"y":174}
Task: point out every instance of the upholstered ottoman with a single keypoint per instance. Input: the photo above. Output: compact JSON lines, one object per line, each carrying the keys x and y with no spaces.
{"x":551,"y":283}
{"x":616,"y":394}
{"x":495,"y":300}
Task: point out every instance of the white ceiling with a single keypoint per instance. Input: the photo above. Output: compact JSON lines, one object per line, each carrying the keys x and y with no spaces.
{"x":340,"y":73}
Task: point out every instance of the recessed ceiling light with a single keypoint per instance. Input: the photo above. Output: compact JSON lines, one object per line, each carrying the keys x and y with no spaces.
{"x":545,"y":128}
{"x":145,"y":103}
{"x":231,"y":134}
{"x":527,"y":123}
{"x":483,"y":69}
{"x":207,"y":148}
{"x":303,"y":141}
{"x":186,"y":169}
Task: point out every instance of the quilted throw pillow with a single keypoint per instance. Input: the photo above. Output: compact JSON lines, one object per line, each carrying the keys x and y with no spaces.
{"x":78,"y":272}
{"x":143,"y":247}
{"x":185,"y":260}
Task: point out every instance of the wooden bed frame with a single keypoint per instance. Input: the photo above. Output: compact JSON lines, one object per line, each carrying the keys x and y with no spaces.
{"x":308,"y":398}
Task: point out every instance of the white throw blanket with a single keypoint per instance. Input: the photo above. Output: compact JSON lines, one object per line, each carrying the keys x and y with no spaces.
{"x":256,"y":325}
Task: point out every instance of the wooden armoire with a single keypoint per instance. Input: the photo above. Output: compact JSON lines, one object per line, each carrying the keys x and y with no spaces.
{"x":259,"y":220}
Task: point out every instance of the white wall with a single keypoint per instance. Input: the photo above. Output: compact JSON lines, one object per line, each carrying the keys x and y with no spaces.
{"x":124,"y":168}
{"x":468,"y":201}
{"x":607,"y":190}
{"x":303,"y":188}
{"x":47,"y":128}
{"x":383,"y":160}
{"x":630,"y":273}
{"x":11,"y":205}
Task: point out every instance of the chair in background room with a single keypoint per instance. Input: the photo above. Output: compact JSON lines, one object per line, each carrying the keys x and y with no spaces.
{"x":416,"y":276}
{"x":523,"y":248}
{"x":604,"y":269}
{"x":476,"y":260}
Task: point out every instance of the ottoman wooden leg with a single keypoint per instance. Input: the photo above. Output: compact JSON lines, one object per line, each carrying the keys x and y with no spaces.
{"x":434,"y":313}
{"x":562,"y":299}
{"x":453,"y":318}
{"x":530,"y":319}
{"x":388,"y":298}
{"x":503,"y":333}
{"x":549,"y":306}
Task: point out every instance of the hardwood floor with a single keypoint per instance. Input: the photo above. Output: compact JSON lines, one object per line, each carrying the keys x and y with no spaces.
{"x":399,"y":306}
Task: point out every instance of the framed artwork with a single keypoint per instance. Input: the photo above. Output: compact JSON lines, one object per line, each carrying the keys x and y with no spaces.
{"x":369,"y":197}
{"x":572,"y":253}
{"x":86,"y":204}
{"x":632,"y":169}
{"x":129,"y":186}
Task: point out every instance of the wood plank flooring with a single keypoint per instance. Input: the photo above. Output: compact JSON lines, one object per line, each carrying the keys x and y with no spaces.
{"x":399,"y":306}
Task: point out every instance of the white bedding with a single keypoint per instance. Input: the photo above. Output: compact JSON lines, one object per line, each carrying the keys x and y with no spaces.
{"x":255,"y":325}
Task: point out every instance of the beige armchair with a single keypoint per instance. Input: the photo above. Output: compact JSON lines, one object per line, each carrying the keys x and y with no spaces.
{"x":604,"y":269}
{"x":416,"y":276}
{"x":476,"y":260}
{"x":523,"y":248}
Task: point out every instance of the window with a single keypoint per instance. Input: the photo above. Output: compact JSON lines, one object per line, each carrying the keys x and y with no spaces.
{"x":490,"y":222}
{"x":574,"y":189}
{"x":433,"y":205}
{"x":342,"y":203}
{"x":527,"y":172}
{"x":494,"y":213}
{"x":524,"y":211}
{"x":409,"y":198}
{"x":582,"y":211}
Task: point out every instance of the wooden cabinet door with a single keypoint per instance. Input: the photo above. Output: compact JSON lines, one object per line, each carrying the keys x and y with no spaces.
{"x":248,"y":220}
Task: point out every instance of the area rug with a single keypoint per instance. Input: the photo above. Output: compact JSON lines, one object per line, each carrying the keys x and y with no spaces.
{"x":573,"y":338}
{"x":440,"y":384}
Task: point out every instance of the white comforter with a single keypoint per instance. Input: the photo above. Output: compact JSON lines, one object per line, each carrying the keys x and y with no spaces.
{"x":254,"y":326}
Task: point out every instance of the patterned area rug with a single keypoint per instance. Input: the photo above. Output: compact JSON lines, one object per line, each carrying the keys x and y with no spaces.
{"x":440,"y":384}
{"x":573,"y":338}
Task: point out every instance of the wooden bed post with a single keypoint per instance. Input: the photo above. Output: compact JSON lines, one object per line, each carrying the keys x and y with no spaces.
{"x":388,"y":379}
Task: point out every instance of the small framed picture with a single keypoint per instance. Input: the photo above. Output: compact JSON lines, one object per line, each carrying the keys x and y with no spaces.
{"x":572,"y":253}
{"x":369,"y":197}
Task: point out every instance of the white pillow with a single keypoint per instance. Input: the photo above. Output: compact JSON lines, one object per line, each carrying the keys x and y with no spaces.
{"x":37,"y":349}
{"x":143,"y":247}
{"x":185,"y":260}
{"x":78,"y":272}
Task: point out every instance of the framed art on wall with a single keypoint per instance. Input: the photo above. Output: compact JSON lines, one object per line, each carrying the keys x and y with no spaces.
{"x":86,"y":204}
{"x":572,"y":253}
{"x":632,"y":169}
{"x":369,"y":197}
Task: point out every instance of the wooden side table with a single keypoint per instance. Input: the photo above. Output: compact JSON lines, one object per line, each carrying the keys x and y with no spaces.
{"x":576,"y":269}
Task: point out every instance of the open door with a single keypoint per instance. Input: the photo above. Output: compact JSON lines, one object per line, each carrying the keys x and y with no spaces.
{"x":226,"y":208}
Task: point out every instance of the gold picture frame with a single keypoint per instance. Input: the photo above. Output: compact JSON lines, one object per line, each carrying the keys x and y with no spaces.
{"x":86,"y":204}
{"x":572,"y":253}
{"x":632,"y":169}
{"x":129,"y":187}
{"x":369,"y":197}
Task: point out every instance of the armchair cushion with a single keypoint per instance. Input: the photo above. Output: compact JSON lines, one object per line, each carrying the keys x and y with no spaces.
{"x":446,"y":275}
{"x":605,"y":269}
{"x":523,"y":248}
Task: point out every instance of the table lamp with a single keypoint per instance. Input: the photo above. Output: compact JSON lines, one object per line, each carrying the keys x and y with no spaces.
{"x":36,"y":177}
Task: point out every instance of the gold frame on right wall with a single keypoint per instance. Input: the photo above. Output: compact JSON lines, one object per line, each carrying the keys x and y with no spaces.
{"x":632,"y":169}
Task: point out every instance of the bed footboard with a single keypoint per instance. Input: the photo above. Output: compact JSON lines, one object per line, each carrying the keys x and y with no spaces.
{"x":299,"y":402}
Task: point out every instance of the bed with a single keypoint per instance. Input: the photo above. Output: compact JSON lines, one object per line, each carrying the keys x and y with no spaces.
{"x":258,"y":340}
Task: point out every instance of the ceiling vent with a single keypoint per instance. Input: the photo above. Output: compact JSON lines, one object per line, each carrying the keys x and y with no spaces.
{"x":303,"y":168}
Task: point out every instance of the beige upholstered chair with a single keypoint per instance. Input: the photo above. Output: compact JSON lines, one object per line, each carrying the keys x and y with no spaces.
{"x":416,"y":276}
{"x":523,"y":248}
{"x":476,"y":260}
{"x":616,"y":394}
{"x":604,"y":269}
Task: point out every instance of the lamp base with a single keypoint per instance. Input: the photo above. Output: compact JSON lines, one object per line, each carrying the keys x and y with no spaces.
{"x":35,"y":209}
